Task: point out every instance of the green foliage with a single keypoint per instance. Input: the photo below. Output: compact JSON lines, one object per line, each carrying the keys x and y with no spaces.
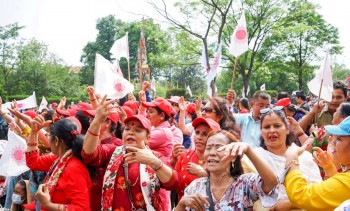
{"x":340,"y":73}
{"x":175,"y":92}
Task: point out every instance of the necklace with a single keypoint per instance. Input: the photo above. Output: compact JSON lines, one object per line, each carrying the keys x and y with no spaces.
{"x":201,"y":162}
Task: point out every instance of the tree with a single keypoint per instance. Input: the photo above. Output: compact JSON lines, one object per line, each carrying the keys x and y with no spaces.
{"x":8,"y":45}
{"x":303,"y":36}
{"x":111,"y":29}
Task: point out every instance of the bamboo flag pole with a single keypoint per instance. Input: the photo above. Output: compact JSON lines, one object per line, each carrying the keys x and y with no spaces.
{"x":319,"y":93}
{"x":234,"y":73}
{"x":129,"y":70}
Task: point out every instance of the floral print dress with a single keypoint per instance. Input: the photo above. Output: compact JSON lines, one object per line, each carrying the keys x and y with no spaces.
{"x":241,"y":195}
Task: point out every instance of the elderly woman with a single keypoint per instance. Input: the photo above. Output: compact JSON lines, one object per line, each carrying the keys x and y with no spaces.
{"x":330,"y":193}
{"x":226,"y":187}
{"x":127,"y":184}
{"x":275,"y":139}
{"x":67,"y":185}
{"x":190,"y":164}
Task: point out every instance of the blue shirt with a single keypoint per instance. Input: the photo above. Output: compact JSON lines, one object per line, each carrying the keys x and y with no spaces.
{"x":250,"y":129}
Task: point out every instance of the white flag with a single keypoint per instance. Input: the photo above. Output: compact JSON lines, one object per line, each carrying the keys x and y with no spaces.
{"x":239,"y":38}
{"x":106,"y":81}
{"x":116,"y":68}
{"x":120,"y":48}
{"x":153,"y":85}
{"x":262,"y":87}
{"x":204,"y":59}
{"x":324,"y":73}
{"x":214,"y":68}
{"x":43,"y":104}
{"x":189,"y":90}
{"x":13,"y":160}
{"x":29,"y":102}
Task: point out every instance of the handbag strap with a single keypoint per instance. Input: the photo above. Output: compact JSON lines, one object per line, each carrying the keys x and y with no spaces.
{"x":211,"y":207}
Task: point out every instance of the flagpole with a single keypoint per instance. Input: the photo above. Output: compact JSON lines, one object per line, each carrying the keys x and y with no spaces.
{"x":129,"y":70}
{"x":234,"y":73}
{"x":319,"y":93}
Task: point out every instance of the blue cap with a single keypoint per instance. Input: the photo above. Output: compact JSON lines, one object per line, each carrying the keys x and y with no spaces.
{"x":342,"y":129}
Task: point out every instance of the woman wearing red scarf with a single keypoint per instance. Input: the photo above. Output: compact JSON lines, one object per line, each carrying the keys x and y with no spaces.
{"x":67,"y":184}
{"x":134,"y":173}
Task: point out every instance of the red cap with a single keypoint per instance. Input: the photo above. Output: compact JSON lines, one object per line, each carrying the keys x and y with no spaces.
{"x":72,"y":111}
{"x":283,"y":102}
{"x":132,"y":104}
{"x":63,"y":112}
{"x":161,"y":103}
{"x":191,"y":108}
{"x":82,"y":106}
{"x":76,"y":122}
{"x":54,"y":104}
{"x":210,"y":122}
{"x":30,"y":113}
{"x":30,"y":206}
{"x":128,"y":111}
{"x":113,"y":117}
{"x":144,"y":121}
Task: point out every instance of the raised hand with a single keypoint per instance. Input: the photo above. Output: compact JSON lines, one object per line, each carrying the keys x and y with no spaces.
{"x":104,"y":109}
{"x":196,"y":170}
{"x":182,"y":104}
{"x":196,"y":202}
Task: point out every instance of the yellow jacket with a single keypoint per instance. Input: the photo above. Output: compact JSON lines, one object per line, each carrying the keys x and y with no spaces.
{"x":324,"y":196}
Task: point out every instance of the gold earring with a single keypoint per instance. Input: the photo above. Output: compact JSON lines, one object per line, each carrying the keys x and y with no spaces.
{"x":233,"y":164}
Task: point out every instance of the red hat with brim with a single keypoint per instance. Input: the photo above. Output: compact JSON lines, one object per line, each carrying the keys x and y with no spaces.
{"x":63,"y":112}
{"x":82,"y":106}
{"x":113,"y":117}
{"x":283,"y":102}
{"x":161,"y":103}
{"x":72,"y":111}
{"x":132,"y":104}
{"x":30,"y":206}
{"x":191,"y":108}
{"x":144,"y":121}
{"x":214,"y":126}
{"x":128,"y":111}
{"x":31,"y":114}
{"x":54,"y":104}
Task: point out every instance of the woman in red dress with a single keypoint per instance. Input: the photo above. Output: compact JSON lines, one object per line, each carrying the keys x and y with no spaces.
{"x":67,"y":184}
{"x":134,"y":173}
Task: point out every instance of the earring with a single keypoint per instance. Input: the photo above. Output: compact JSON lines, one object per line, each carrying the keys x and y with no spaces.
{"x":233,"y":164}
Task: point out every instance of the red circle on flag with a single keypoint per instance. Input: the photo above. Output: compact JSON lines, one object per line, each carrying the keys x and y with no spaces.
{"x":19,"y":105}
{"x":119,"y":87}
{"x":241,"y":34}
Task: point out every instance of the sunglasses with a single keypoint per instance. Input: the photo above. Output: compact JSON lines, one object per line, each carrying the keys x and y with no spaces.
{"x":174,"y":104}
{"x":208,"y":110}
{"x":269,"y":110}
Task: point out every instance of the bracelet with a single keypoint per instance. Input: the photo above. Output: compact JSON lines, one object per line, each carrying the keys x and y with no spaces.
{"x":32,"y":144}
{"x":282,"y":177}
{"x":93,"y":99}
{"x":94,"y":134}
{"x":300,"y":134}
{"x":295,"y":162}
{"x":32,"y":152}
{"x":160,"y":165}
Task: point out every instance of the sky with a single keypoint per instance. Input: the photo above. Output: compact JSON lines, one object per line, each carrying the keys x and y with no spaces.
{"x":66,"y":26}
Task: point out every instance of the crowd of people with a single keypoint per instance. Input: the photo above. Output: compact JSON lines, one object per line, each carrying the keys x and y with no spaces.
{"x":219,"y":153}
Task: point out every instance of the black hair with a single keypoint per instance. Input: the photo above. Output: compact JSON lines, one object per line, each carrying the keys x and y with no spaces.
{"x":340,"y":85}
{"x":245,"y":102}
{"x":118,"y":129}
{"x":84,"y":121}
{"x":237,"y":169}
{"x":290,"y":137}
{"x":49,"y":114}
{"x":228,"y":122}
{"x":282,"y":95}
{"x":302,"y":97}
{"x":344,"y":110}
{"x":62,"y":129}
{"x":193,"y":116}
{"x":24,"y":185}
{"x":261,"y":94}
{"x":159,"y":111}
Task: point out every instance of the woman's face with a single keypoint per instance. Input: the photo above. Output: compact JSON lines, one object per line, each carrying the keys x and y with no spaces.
{"x":274,"y":131}
{"x":154,"y":116}
{"x":208,"y":111}
{"x":134,"y":134}
{"x":201,"y":136}
{"x":213,"y":157}
{"x":341,"y":149}
{"x":336,"y":116}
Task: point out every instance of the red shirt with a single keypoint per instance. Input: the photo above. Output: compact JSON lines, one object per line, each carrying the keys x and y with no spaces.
{"x":101,"y":157}
{"x":185,"y":178}
{"x":96,"y":190}
{"x":73,"y":186}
